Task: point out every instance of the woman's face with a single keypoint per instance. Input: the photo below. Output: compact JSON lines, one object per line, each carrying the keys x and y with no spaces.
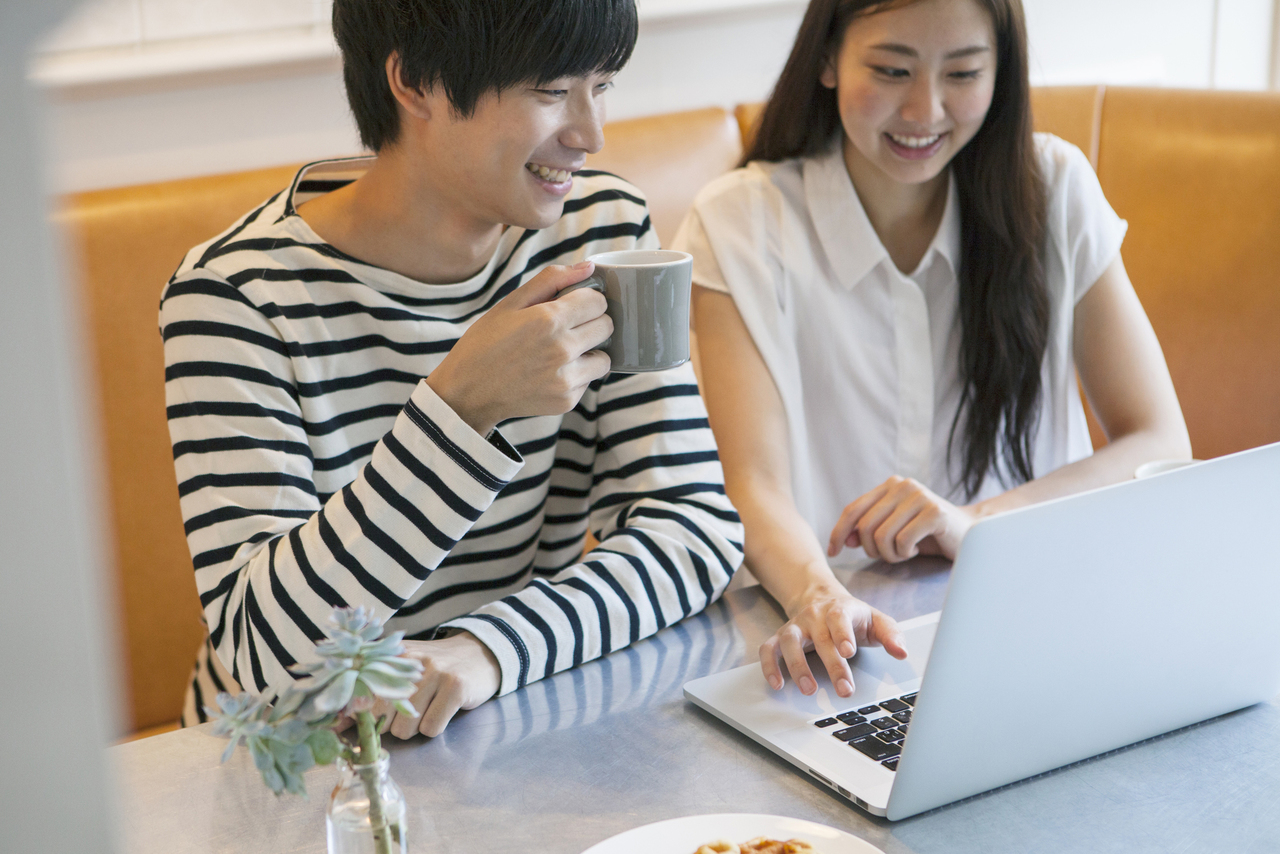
{"x":913,"y":84}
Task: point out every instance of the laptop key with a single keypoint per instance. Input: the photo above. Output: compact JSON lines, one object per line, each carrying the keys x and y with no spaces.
{"x":891,"y":764}
{"x":894,"y":706}
{"x":869,"y":710}
{"x":884,"y":723}
{"x":903,"y":717}
{"x":889,"y":736}
{"x":851,"y":718}
{"x":826,"y":722}
{"x":874,"y":748}
{"x":854,"y":732}
{"x":909,"y":699}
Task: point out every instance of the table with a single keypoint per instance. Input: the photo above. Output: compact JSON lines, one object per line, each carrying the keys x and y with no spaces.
{"x":594,"y":751}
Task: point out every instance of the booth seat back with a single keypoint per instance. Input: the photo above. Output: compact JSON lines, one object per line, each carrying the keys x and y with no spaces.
{"x":670,"y":158}
{"x":127,"y":242}
{"x":1197,"y":175}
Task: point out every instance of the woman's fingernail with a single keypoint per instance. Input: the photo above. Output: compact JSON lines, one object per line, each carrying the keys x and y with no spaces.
{"x":847,"y":650}
{"x":775,"y":682}
{"x":845,"y":688}
{"x":807,"y":685}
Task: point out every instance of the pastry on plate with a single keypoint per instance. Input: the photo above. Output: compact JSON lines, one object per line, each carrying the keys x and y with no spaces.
{"x":759,"y":845}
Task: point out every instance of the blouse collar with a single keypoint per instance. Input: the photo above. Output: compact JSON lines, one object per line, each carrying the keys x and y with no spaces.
{"x":845,"y":232}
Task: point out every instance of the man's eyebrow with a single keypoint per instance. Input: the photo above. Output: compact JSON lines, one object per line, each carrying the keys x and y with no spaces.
{"x":907,"y":50}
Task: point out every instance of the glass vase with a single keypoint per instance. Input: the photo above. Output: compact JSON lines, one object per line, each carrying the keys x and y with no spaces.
{"x":366,"y":813}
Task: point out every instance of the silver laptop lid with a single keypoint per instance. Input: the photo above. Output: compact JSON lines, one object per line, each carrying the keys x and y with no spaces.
{"x":1118,"y":614}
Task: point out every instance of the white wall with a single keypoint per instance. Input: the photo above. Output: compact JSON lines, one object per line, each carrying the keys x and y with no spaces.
{"x":1225,"y":44}
{"x":146,"y":90}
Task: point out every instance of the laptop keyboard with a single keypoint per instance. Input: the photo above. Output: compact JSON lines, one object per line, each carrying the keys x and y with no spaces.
{"x":875,"y":731}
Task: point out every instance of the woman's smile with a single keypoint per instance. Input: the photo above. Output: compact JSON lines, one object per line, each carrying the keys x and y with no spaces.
{"x":916,"y":147}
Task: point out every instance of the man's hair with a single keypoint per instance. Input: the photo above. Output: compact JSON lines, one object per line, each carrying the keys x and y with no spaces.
{"x":470,"y":48}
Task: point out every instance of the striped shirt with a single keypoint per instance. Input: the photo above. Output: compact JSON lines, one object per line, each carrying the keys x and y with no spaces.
{"x":316,"y":468}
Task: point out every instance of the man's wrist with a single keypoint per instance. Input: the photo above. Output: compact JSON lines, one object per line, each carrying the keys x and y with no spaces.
{"x":473,"y":413}
{"x":485,"y":654}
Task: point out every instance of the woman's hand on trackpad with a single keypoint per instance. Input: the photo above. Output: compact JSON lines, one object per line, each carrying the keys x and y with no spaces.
{"x":834,"y":624}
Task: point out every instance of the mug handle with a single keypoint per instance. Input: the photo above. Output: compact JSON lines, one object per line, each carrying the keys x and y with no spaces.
{"x":596,"y":282}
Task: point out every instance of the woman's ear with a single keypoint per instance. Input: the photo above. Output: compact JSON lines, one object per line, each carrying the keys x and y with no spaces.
{"x":828,"y":76}
{"x":413,"y":100}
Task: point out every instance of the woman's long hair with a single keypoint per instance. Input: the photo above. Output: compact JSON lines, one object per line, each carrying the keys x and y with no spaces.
{"x":1004,"y":304}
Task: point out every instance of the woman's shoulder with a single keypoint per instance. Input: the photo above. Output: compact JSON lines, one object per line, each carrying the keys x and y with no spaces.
{"x":748,"y":188}
{"x":1061,"y":163}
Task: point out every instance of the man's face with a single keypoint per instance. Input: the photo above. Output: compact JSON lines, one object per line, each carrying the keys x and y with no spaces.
{"x":512,"y":161}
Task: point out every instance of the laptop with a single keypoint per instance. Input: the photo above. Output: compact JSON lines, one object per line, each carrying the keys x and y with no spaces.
{"x":1104,"y":618}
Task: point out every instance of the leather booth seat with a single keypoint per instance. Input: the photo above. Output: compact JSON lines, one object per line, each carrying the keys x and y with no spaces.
{"x":1196,"y":174}
{"x":127,"y":242}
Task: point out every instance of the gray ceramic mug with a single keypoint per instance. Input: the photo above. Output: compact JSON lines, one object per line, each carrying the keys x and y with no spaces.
{"x":648,"y":300}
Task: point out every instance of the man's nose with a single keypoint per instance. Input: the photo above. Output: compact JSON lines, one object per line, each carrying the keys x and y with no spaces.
{"x":585,"y":131}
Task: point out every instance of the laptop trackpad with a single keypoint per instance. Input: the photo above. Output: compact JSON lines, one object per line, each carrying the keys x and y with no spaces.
{"x":881,"y":667}
{"x":742,"y":694}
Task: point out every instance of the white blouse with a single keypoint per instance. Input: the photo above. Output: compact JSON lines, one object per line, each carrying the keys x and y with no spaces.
{"x":865,"y":357}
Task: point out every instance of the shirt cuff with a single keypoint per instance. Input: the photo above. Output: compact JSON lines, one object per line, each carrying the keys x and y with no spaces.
{"x":491,"y":465}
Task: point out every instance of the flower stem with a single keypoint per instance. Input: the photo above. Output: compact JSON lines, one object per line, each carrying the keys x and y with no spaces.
{"x":370,"y":753}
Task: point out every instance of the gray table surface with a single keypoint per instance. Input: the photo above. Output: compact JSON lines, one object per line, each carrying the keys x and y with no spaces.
{"x":612,"y":745}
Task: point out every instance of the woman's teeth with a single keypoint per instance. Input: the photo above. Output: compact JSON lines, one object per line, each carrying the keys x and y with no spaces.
{"x":915,"y":141}
{"x":555,"y":176}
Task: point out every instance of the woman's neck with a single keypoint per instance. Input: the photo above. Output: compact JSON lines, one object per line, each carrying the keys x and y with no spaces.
{"x":905,"y":216}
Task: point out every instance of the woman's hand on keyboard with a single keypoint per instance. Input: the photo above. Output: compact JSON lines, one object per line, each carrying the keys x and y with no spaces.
{"x":833,"y":623}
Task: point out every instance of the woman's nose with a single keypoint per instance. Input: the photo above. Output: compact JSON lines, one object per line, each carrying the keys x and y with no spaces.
{"x":924,"y":103}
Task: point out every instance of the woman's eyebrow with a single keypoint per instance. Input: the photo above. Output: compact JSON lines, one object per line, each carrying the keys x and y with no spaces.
{"x":907,"y":50}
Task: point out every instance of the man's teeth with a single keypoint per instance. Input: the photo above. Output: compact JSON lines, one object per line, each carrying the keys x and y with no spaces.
{"x":915,"y":141}
{"x":555,"y":176}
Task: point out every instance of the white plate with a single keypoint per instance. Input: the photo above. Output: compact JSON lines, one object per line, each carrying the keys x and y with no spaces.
{"x":684,"y":835}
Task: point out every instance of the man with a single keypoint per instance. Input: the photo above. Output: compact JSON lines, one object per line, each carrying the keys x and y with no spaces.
{"x":376,"y":398}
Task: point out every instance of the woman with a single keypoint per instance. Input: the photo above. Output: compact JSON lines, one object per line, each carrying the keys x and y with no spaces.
{"x":893,"y":299}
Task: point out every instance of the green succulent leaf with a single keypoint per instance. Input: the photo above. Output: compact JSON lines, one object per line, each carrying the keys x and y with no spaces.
{"x":391,"y":687}
{"x":325,"y":746}
{"x":336,"y":694}
{"x":295,"y":733}
{"x":274,"y":780}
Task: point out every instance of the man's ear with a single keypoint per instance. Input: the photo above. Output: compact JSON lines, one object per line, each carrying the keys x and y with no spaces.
{"x":413,"y":100}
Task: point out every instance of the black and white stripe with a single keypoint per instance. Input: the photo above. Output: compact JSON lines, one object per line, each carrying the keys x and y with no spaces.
{"x":315,"y":468}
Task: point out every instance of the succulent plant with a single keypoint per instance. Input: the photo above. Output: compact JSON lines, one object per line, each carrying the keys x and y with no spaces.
{"x":356,"y":666}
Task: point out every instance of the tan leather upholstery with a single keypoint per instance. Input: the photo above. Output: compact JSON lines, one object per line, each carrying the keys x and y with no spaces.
{"x":1073,"y":113}
{"x":1197,"y":175}
{"x":747,"y":115}
{"x":127,"y":243}
{"x":670,"y":158}
{"x":1070,"y":112}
